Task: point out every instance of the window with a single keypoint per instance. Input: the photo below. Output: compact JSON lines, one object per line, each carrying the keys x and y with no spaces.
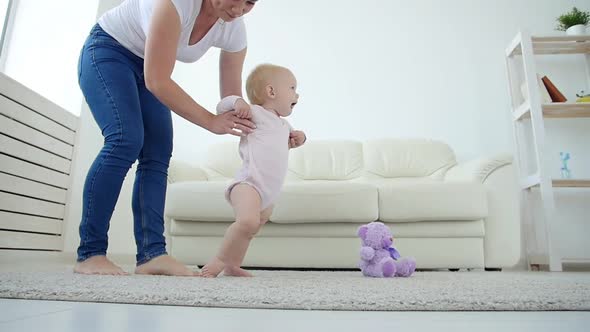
{"x":42,"y":45}
{"x":5,"y":9}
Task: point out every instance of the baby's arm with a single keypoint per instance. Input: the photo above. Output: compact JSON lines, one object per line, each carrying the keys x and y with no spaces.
{"x":227,"y":104}
{"x":296,"y":137}
{"x":237,"y":104}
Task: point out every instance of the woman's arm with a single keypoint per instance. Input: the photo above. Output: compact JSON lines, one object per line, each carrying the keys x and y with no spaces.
{"x":230,"y":73}
{"x":160,"y":57}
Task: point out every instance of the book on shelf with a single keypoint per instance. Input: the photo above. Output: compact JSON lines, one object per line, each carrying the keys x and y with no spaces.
{"x":545,"y":97}
{"x":556,"y":95}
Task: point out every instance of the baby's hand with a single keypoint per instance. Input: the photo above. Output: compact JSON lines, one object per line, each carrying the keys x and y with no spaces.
{"x":242,"y":109}
{"x":296,"y":139}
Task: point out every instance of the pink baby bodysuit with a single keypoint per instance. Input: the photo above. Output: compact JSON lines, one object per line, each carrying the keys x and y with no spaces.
{"x":265,"y":152}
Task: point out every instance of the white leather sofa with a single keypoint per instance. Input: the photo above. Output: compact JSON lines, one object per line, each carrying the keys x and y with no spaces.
{"x":444,"y":214}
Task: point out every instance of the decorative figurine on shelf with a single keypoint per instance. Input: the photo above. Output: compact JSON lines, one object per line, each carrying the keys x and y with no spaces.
{"x":565,"y":171}
{"x":583,"y":97}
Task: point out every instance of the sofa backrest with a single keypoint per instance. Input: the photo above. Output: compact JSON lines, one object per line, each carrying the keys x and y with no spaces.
{"x":345,"y":159}
{"x":327,"y":160}
{"x":395,"y":158}
{"x":223,"y":160}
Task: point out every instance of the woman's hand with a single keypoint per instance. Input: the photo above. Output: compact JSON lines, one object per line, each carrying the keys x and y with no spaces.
{"x":229,"y":123}
{"x":296,"y":139}
{"x":242,"y":109}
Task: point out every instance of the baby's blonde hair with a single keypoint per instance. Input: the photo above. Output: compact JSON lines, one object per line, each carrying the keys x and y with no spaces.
{"x":257,"y":81}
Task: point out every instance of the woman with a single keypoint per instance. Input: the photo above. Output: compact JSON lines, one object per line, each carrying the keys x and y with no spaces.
{"x":125,"y":72}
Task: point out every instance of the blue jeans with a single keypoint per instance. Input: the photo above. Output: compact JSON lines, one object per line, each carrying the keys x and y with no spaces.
{"x":135,"y":126}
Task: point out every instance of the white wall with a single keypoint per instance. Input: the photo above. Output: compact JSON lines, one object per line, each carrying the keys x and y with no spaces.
{"x":376,"y":68}
{"x":424,"y":68}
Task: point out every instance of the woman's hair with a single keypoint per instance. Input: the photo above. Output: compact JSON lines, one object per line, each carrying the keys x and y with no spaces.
{"x":257,"y":81}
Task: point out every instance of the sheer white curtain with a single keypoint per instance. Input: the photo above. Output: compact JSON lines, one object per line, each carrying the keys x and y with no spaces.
{"x":42,"y":45}
{"x":4,"y":15}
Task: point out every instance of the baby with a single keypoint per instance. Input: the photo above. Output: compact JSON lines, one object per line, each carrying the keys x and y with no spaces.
{"x":265,"y":152}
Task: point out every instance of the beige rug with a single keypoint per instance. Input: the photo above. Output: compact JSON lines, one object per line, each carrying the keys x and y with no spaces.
{"x":425,"y":291}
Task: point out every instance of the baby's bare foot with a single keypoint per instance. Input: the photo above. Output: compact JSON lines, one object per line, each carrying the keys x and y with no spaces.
{"x":98,"y":265}
{"x":236,"y":272}
{"x":213,"y":268}
{"x":165,"y":265}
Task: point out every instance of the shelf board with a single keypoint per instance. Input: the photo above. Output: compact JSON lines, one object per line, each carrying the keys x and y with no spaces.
{"x":533,"y":181}
{"x":555,"y":111}
{"x":566,"y":110}
{"x":571,"y":183}
{"x":575,"y":260}
{"x":542,"y":259}
{"x":557,"y":45}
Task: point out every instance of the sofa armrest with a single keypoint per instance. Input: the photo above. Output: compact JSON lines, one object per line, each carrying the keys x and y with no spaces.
{"x":180,"y":171}
{"x":478,"y":170}
{"x":502,"y":242}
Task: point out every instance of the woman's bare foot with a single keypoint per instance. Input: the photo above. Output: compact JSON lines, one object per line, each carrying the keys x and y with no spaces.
{"x":165,"y":265}
{"x":213,"y":268}
{"x":98,"y":265}
{"x":236,"y":272}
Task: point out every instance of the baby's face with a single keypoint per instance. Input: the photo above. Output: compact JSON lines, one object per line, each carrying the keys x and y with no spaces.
{"x":286,"y":93}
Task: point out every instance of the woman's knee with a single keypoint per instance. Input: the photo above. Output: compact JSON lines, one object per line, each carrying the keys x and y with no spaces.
{"x":157,"y":150}
{"x":123,"y":145}
{"x":166,"y":152}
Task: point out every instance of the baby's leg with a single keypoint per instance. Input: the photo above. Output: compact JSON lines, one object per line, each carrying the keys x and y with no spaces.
{"x":236,"y":270}
{"x":265,"y":215}
{"x":246,"y":203}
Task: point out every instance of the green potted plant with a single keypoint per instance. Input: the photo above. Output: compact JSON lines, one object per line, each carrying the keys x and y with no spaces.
{"x":573,"y":23}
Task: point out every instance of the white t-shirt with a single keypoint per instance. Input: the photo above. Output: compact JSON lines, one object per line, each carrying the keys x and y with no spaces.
{"x":129,"y":23}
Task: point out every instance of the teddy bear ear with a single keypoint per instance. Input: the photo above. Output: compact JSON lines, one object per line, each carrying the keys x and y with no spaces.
{"x":362,"y":231}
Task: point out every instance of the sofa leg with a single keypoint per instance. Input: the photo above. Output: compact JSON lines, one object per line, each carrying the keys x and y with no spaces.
{"x":493,"y":269}
{"x":454,"y":270}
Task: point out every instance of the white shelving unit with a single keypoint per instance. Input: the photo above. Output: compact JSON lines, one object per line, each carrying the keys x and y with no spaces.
{"x":533,"y":113}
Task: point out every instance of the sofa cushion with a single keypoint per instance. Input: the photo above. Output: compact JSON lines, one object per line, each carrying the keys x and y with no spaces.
{"x":424,"y":229}
{"x":392,"y":158}
{"x":422,"y":201}
{"x":327,"y":160}
{"x":326,"y":201}
{"x":198,"y":201}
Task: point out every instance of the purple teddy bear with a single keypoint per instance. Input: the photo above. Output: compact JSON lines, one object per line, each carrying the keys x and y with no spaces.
{"x":378,"y":257}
